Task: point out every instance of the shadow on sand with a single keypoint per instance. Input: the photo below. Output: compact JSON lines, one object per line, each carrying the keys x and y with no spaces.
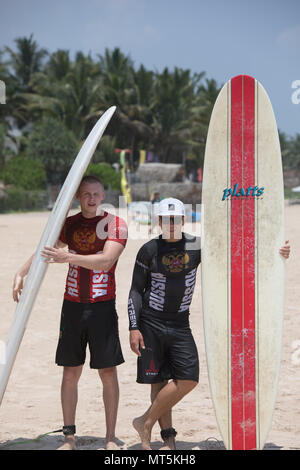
{"x":54,"y":442}
{"x":98,"y":443}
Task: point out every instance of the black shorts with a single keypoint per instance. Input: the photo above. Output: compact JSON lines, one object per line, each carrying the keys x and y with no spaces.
{"x":170,"y":352}
{"x":95,"y":325}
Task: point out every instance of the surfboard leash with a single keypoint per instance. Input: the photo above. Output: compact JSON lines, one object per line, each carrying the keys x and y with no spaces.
{"x":66,"y":430}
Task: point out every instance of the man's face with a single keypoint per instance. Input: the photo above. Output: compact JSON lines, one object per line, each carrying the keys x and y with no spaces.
{"x":90,"y":196}
{"x":171,"y":226}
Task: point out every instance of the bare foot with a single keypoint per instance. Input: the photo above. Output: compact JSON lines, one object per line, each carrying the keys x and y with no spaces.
{"x":69,"y":443}
{"x":169,"y":444}
{"x":111,"y":444}
{"x":139,"y":426}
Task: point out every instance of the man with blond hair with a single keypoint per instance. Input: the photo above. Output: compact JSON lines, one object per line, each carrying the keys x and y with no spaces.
{"x":88,"y":317}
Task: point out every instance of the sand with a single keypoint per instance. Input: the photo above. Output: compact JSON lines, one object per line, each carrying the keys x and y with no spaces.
{"x":31,"y":405}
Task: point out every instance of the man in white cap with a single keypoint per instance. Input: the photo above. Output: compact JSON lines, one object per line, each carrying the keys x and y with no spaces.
{"x":162,"y":287}
{"x":161,"y":292}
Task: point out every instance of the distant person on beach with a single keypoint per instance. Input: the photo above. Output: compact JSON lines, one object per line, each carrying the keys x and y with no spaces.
{"x":161,"y":292}
{"x":155,"y":198}
{"x":95,"y":243}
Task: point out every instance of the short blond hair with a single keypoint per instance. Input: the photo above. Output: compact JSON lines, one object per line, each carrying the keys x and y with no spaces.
{"x":90,"y":179}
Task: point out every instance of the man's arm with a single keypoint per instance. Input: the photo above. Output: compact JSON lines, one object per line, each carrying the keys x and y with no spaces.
{"x":135,"y":301}
{"x":23,"y":271}
{"x":98,"y":262}
{"x":19,"y":278}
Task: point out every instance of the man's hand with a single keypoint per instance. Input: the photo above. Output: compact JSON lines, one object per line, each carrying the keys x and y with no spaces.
{"x":55,"y":254}
{"x":136,"y":340}
{"x":285,"y":250}
{"x":17,"y":287}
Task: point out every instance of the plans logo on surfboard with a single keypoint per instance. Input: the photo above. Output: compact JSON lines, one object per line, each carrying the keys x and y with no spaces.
{"x":251,"y":191}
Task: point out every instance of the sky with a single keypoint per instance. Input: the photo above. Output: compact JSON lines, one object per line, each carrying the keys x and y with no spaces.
{"x":224,"y":38}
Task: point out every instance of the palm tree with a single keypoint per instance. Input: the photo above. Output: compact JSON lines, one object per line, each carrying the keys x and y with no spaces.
{"x":117,"y":79}
{"x":80,"y":93}
{"x":286,"y":154}
{"x":207,"y":95}
{"x":22,"y":64}
{"x":295,"y":152}
{"x":26,"y":60}
{"x":4,"y":77}
{"x":121,"y":87}
{"x":59,"y":65}
{"x":67,"y":91}
{"x":205,"y":99}
{"x":172,"y":108}
{"x":165,"y":112}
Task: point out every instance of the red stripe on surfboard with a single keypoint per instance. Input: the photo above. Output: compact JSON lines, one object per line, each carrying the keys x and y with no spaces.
{"x":249,"y":265}
{"x":243,"y":265}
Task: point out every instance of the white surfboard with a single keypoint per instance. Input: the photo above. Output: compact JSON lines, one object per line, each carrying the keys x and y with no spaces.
{"x":243,"y":274}
{"x":50,"y":235}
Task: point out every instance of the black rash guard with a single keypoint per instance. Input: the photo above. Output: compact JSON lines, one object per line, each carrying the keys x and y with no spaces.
{"x":164,"y":279}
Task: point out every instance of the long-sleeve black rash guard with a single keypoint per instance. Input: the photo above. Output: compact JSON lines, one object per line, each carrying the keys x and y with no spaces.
{"x":164,"y":279}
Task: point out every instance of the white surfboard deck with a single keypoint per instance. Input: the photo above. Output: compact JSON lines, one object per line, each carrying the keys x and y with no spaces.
{"x":243,"y":274}
{"x":49,"y":237}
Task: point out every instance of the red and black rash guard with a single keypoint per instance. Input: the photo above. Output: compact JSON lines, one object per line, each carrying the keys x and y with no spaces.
{"x":164,"y":279}
{"x":86,"y":237}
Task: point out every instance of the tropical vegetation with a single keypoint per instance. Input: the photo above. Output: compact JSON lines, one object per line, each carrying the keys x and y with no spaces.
{"x":53,"y":100}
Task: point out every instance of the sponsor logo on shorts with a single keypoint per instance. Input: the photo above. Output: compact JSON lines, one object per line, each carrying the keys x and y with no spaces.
{"x":152,"y":370}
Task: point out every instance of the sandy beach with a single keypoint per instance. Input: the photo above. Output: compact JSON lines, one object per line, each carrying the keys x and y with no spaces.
{"x":31,"y":405}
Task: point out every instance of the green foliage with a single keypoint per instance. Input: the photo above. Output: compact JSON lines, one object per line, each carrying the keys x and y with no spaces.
{"x":106,"y":174}
{"x":289,"y":194}
{"x":106,"y":151}
{"x":25,"y":173}
{"x":166,"y":112}
{"x":19,"y":199}
{"x":290,"y":151}
{"x":20,"y":68}
{"x":55,"y":146}
{"x":26,"y":60}
{"x":2,"y":151}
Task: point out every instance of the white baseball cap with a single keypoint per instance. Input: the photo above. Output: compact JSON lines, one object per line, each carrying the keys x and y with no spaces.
{"x":171,"y":206}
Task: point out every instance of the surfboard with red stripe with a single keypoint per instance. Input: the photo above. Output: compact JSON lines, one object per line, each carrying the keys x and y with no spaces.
{"x":242,"y":271}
